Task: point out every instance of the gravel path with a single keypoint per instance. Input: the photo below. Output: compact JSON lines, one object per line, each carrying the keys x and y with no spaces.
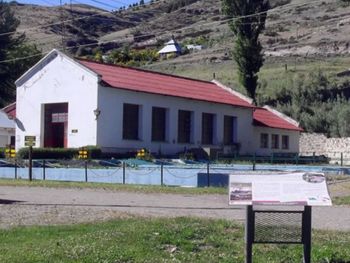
{"x":44,"y":206}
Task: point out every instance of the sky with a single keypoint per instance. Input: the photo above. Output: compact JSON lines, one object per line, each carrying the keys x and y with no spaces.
{"x":104,"y":4}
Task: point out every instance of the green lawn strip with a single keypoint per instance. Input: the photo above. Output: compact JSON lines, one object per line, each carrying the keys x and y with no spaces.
{"x":341,"y":200}
{"x":157,"y":240}
{"x":116,"y":187}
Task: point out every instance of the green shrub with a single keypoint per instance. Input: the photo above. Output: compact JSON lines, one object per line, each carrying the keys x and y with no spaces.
{"x":2,"y":152}
{"x":94,"y":152}
{"x":48,"y":153}
{"x":58,"y":153}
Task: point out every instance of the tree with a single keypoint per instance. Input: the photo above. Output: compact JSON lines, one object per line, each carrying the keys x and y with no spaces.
{"x":248,"y":21}
{"x":12,"y":46}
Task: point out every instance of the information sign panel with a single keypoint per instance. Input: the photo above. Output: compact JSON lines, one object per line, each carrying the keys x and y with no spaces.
{"x":305,"y":189}
{"x":29,"y":140}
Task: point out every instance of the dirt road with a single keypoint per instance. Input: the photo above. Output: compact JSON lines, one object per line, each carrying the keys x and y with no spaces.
{"x":44,"y":206}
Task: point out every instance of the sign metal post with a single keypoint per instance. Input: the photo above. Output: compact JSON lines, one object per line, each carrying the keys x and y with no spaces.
{"x":29,"y":141}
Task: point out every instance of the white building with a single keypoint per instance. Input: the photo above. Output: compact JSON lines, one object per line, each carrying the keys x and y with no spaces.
{"x":170,"y":48}
{"x":74,"y":103}
{"x":7,"y":128}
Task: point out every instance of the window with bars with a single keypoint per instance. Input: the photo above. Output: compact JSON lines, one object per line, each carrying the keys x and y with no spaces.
{"x":207,"y":128}
{"x":264,"y":140}
{"x":229,"y":130}
{"x":131,"y":121}
{"x":275,"y":141}
{"x":59,"y":117}
{"x":159,"y":124}
{"x":285,"y":142}
{"x":184,"y":127}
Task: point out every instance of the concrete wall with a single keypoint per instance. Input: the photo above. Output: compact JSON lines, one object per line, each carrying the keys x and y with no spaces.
{"x":58,"y":80}
{"x":110,"y":122}
{"x":321,"y":145}
{"x":293,"y":140}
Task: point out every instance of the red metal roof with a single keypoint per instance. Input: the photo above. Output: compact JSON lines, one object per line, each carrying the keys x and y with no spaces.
{"x":266,"y":118}
{"x":163,"y":84}
{"x":10,"y":110}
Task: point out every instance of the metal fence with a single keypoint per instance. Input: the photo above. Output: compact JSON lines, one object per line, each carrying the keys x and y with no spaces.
{"x":192,"y":174}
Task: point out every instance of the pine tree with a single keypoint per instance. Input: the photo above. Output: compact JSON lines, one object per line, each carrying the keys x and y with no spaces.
{"x":248,"y":21}
{"x":12,"y":46}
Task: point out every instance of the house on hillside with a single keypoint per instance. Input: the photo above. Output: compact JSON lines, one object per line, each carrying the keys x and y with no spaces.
{"x":65,"y":102}
{"x":7,"y":127}
{"x":171,"y":48}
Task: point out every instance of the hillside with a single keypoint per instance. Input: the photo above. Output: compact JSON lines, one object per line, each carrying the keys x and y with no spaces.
{"x":294,"y":27}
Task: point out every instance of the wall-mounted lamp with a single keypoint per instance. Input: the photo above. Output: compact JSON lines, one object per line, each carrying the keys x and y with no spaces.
{"x":97,"y":113}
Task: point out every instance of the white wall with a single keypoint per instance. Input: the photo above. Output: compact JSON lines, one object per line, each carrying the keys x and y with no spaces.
{"x":60,"y":81}
{"x":293,"y":140}
{"x":110,"y":122}
{"x":7,"y":129}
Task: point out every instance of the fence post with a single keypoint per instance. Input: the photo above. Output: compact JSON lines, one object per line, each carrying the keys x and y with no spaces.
{"x":271,"y":158}
{"x":123,"y":172}
{"x":16,"y":168}
{"x":30,"y":157}
{"x":297,"y":158}
{"x":86,"y":175}
{"x":254,"y":161}
{"x":313,"y":157}
{"x":161,"y":175}
{"x":341,"y":159}
{"x":44,"y":170}
{"x":208,"y":179}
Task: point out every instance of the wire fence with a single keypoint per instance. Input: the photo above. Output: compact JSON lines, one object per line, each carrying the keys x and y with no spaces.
{"x":194,"y":174}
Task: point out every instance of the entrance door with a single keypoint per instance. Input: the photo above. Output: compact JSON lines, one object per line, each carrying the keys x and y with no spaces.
{"x":56,"y":123}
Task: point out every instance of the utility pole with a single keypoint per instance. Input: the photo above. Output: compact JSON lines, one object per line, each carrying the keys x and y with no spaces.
{"x":62,"y":27}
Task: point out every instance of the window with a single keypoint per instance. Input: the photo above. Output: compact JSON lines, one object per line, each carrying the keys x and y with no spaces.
{"x":130,"y":122}
{"x":184,"y":126}
{"x":229,"y":129}
{"x":264,"y":140}
{"x":275,"y":141}
{"x":158,"y":124}
{"x":59,"y":117}
{"x":285,"y":142}
{"x":207,"y":128}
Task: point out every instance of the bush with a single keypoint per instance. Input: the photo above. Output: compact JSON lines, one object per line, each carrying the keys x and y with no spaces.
{"x":48,"y":153}
{"x":2,"y":152}
{"x":58,"y":153}
{"x":94,"y":152}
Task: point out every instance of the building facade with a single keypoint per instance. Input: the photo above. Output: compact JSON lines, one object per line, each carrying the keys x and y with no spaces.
{"x":73,"y":103}
{"x":7,"y":130}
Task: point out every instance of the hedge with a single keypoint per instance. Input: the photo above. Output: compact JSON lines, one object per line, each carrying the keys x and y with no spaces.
{"x":2,"y":152}
{"x":58,"y":153}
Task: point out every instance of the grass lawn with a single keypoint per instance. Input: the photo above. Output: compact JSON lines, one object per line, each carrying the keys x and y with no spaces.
{"x":341,"y":200}
{"x":157,"y":240}
{"x":116,"y":187}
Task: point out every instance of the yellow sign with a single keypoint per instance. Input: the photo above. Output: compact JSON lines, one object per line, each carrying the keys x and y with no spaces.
{"x":10,"y":152}
{"x":83,"y":154}
{"x":29,"y":140}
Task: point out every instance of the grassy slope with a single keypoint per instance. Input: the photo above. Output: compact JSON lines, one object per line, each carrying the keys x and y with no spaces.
{"x":156,"y":240}
{"x":273,"y":72}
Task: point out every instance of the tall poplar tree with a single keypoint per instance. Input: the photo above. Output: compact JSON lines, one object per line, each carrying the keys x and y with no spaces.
{"x":248,"y":21}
